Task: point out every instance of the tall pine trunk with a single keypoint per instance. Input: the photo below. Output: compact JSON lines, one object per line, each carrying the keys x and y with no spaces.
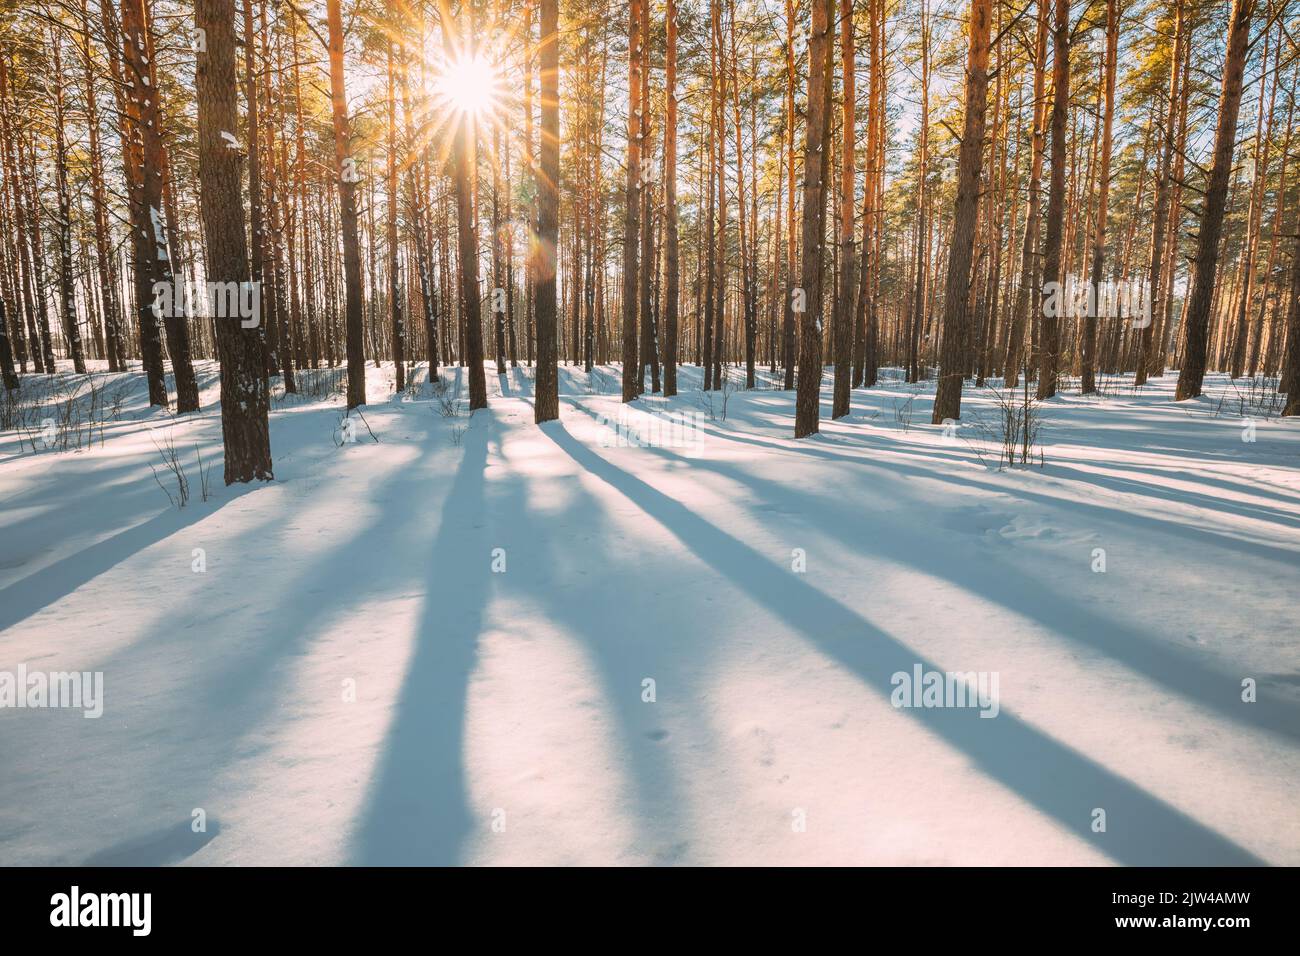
{"x":345,"y":169}
{"x":808,"y":400}
{"x":672,"y":265}
{"x":1160,"y":212}
{"x":1050,"y":331}
{"x":956,"y":319}
{"x":1089,"y":350}
{"x":1205,"y":264}
{"x":844,"y":315}
{"x":632,"y":204}
{"x":547,"y":401}
{"x":244,"y":397}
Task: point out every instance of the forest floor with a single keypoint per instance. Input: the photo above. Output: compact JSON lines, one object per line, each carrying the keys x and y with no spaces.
{"x":349,"y":671}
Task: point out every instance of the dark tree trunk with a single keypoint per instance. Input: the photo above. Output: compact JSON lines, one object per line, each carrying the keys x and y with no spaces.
{"x":1192,"y":374}
{"x":956,"y":319}
{"x":144,"y":181}
{"x":1050,"y":332}
{"x":348,"y":176}
{"x":808,"y":400}
{"x":547,"y":401}
{"x":244,"y":398}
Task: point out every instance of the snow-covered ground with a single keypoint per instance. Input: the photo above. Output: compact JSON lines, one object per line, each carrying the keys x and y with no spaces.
{"x":356,"y":673}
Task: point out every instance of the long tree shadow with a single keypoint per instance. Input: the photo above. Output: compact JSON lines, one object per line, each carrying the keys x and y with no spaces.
{"x":1186,"y":676}
{"x":36,"y":591}
{"x":1101,"y":511}
{"x":1059,"y":781}
{"x":626,"y":640}
{"x":1060,"y":467}
{"x":417,"y":812}
{"x":230,"y":690}
{"x":56,"y":581}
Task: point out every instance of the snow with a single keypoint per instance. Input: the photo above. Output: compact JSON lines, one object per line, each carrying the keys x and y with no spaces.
{"x":350,"y":681}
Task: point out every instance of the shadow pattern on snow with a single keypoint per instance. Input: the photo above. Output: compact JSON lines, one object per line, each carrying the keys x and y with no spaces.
{"x":1061,"y":782}
{"x":417,"y":812}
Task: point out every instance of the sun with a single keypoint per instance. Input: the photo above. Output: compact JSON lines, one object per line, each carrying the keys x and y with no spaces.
{"x":469,"y":85}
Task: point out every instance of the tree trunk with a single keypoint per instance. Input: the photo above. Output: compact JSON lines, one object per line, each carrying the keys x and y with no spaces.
{"x":395,"y":293}
{"x":144,"y":183}
{"x":1192,"y":374}
{"x":787,"y":306}
{"x":844,"y":315}
{"x":67,"y":294}
{"x":1160,"y":210}
{"x":348,"y":176}
{"x":808,"y":401}
{"x":547,"y":400}
{"x":1089,"y":350}
{"x":952,"y":365}
{"x":1050,"y":332}
{"x":244,"y":398}
{"x":648,"y":353}
{"x":632,"y":204}
{"x":672,"y":264}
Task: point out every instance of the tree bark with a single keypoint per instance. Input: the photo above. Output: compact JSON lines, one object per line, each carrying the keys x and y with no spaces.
{"x":348,"y":176}
{"x":672,"y":265}
{"x":1089,"y":350}
{"x":1192,"y":374}
{"x":808,"y":400}
{"x":953,"y":362}
{"x":244,"y":399}
{"x":632,"y":204}
{"x":547,"y":402}
{"x":1049,"y":336}
{"x":844,"y":315}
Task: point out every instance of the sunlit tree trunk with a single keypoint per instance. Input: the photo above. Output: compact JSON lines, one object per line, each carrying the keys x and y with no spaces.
{"x":108,"y":292}
{"x":648,"y":353}
{"x":787,"y":309}
{"x":395,"y":292}
{"x":1160,"y":198}
{"x":1089,"y":350}
{"x":672,"y":264}
{"x":632,"y":205}
{"x":844,"y":314}
{"x":1244,"y":316}
{"x":67,"y":293}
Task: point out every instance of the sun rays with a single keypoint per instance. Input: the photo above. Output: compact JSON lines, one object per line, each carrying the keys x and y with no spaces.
{"x":469,"y":85}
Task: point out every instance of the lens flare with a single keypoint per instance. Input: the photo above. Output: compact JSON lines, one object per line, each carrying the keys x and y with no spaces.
{"x":469,"y":85}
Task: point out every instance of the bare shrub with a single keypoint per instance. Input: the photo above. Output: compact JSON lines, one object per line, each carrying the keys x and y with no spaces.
{"x":315,"y":384}
{"x":903,"y":413}
{"x":447,"y":403}
{"x":173,"y":468}
{"x":205,"y":473}
{"x":1019,"y":420}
